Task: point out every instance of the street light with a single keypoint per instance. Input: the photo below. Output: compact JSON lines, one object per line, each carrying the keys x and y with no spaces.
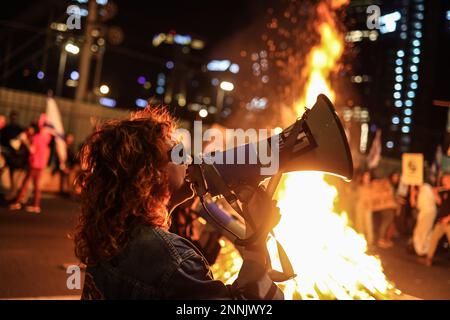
{"x":203,"y":113}
{"x":68,"y":48}
{"x":71,"y":48}
{"x":104,"y":89}
{"x":224,"y":86}
{"x":74,"y":75}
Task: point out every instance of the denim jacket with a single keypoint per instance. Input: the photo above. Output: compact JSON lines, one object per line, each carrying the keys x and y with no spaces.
{"x":157,"y":264}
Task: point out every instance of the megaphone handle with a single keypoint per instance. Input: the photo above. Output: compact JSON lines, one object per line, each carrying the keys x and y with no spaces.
{"x":273,"y":184}
{"x":286,"y":265}
{"x":271,"y":188}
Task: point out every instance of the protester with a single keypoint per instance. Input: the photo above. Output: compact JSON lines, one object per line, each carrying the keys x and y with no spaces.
{"x":14,"y":153}
{"x":65,"y":168}
{"x":38,"y":141}
{"x":127,"y":180}
{"x":404,"y":221}
{"x":2,"y":124}
{"x":11,"y":130}
{"x":442,"y":225}
{"x":363,"y":222}
{"x":424,"y":200}
{"x":387,"y":216}
{"x":2,"y":159}
{"x":71,"y":164}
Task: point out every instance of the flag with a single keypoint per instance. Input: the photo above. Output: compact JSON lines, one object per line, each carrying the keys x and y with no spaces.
{"x":374,"y":157}
{"x":53,"y":119}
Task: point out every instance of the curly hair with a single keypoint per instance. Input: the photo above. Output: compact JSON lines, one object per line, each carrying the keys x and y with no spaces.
{"x":123,"y":182}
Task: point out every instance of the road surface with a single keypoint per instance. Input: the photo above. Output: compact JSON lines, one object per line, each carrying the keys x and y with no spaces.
{"x":35,"y":250}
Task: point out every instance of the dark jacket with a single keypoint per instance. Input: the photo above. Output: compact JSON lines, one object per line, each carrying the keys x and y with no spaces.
{"x":157,"y":264}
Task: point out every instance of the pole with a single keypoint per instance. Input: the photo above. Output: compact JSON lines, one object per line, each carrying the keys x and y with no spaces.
{"x":219,"y":100}
{"x":61,"y":69}
{"x":98,"y":67}
{"x":85,"y":60}
{"x":47,"y":44}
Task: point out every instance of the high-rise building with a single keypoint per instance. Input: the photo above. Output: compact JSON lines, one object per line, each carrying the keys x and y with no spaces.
{"x":395,"y":73}
{"x":359,"y":85}
{"x":404,"y":67}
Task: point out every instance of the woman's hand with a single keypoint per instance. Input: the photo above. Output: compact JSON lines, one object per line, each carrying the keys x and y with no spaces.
{"x":437,"y":196}
{"x":413,"y":196}
{"x":260,"y":211}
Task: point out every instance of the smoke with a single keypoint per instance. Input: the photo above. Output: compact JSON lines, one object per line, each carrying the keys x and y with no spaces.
{"x":272,"y":53}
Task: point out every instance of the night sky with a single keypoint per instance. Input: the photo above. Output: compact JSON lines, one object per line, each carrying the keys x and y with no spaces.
{"x":211,"y":21}
{"x":223,"y":24}
{"x":214,"y":20}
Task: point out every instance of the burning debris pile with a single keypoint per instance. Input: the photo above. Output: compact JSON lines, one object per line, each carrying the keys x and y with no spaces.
{"x":328,"y":256}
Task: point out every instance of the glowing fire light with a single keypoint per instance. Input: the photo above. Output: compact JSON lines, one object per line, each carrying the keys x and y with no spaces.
{"x":328,"y":256}
{"x":322,"y":58}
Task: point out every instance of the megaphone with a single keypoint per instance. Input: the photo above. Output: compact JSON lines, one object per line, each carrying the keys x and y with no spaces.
{"x":315,"y":142}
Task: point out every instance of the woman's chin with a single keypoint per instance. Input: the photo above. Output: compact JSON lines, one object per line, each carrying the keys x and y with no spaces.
{"x":179,"y":192}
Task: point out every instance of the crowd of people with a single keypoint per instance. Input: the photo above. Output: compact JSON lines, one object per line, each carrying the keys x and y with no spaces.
{"x":381,"y":209}
{"x":385,"y":209}
{"x":25,"y":153}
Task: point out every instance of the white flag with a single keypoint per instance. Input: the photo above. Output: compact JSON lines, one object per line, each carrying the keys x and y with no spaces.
{"x":55,"y":121}
{"x":374,"y":156}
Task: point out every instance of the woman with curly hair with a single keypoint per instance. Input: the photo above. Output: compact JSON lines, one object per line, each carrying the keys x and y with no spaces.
{"x":126,"y":183}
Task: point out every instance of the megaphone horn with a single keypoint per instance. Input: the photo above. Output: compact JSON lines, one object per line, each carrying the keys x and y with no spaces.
{"x":315,"y":142}
{"x":332,"y":154}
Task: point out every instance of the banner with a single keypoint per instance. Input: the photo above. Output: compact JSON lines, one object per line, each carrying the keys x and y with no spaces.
{"x":382,"y":195}
{"x":412,"y":169}
{"x":445,"y":164}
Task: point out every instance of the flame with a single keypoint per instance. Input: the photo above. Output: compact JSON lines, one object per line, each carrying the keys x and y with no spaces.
{"x":323,"y":58}
{"x":328,"y":256}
